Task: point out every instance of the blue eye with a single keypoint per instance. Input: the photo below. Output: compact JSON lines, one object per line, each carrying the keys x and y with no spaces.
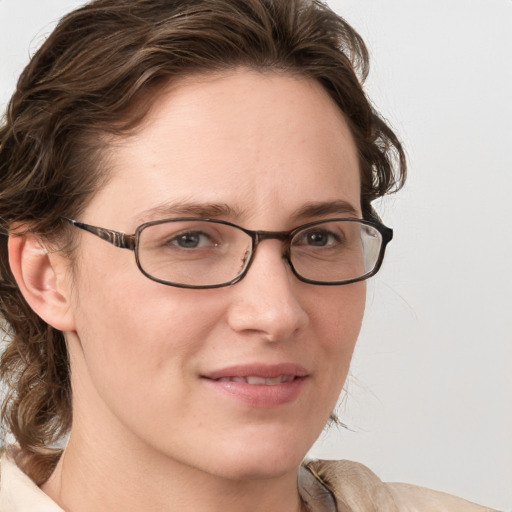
{"x":319,"y":238}
{"x":192,"y":240}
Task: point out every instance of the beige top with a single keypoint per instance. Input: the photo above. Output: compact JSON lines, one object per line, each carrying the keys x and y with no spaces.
{"x":325,"y":486}
{"x":357,"y":489}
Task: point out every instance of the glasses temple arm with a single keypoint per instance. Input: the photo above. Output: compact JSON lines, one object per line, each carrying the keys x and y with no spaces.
{"x":115,"y":238}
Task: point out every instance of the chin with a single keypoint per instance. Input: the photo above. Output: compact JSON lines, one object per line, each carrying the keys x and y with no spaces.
{"x":261,"y":458}
{"x":261,"y":469}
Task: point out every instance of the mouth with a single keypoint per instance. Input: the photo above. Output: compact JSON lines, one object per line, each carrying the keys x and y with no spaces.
{"x":258,"y":374}
{"x":259,"y":385}
{"x":259,"y":381}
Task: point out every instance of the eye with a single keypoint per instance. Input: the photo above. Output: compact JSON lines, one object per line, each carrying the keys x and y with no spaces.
{"x":318,"y":238}
{"x":192,"y":240}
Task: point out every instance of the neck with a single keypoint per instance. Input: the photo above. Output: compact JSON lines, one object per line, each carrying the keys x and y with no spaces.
{"x":93,"y":476}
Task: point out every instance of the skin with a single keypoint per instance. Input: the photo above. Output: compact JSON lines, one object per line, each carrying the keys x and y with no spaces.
{"x":148,"y":433}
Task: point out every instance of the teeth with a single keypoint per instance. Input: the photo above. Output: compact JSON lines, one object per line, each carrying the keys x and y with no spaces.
{"x":259,"y":380}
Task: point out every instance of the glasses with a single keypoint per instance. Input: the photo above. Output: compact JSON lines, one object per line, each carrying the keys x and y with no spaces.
{"x":206,"y":253}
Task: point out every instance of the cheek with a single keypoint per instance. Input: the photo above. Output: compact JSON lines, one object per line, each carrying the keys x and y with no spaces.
{"x":135,"y":335}
{"x":337,"y":312}
{"x":338,"y":323}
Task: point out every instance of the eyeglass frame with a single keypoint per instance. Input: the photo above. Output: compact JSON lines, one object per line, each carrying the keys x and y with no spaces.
{"x":131,"y":242}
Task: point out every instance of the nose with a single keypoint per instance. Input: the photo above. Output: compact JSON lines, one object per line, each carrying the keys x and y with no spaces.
{"x":267,"y":301}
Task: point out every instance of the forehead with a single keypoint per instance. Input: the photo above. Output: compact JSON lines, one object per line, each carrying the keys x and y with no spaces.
{"x":265,"y":144}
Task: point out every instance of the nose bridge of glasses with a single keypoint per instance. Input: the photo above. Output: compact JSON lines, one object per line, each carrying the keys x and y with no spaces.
{"x":271,"y":235}
{"x":282,"y":236}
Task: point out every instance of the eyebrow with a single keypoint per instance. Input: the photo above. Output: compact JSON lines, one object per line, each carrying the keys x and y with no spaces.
{"x":224,"y":210}
{"x":189,"y":209}
{"x":320,"y":208}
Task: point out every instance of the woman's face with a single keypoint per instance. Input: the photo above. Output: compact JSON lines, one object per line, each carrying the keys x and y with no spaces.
{"x":153,"y":365}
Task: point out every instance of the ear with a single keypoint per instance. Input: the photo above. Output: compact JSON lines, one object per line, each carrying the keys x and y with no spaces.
{"x":43,"y":279}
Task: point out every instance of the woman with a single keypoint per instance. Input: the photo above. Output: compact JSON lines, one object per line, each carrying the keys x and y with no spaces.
{"x":187,"y":218}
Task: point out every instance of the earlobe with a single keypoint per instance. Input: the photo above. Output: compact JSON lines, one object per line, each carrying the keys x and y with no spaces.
{"x":41,"y":276}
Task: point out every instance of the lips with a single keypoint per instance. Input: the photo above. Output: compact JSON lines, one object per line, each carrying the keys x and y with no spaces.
{"x":253,"y":380}
{"x":286,"y":371}
{"x":259,"y":385}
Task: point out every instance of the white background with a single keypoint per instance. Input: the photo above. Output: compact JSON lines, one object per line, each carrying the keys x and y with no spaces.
{"x":429,"y":399}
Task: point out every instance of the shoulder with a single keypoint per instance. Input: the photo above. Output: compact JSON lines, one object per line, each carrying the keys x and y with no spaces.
{"x":355,"y":487}
{"x":18,"y":493}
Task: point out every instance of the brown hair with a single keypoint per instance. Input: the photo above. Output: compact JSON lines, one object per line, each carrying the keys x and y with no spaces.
{"x":95,"y":75}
